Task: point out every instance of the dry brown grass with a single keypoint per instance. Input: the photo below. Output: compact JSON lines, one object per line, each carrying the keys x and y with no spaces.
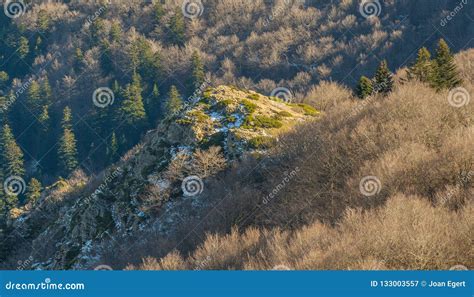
{"x":407,"y":233}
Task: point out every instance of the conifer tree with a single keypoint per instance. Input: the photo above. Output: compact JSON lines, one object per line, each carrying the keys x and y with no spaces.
{"x":177,"y":27}
{"x":7,"y":202}
{"x":113,"y":149}
{"x":198,"y":75}
{"x":97,"y":28}
{"x":11,"y":155}
{"x":43,"y":21}
{"x":132,"y":110}
{"x":45,"y":92}
{"x":446,"y":73}
{"x":23,"y":47}
{"x":33,"y":98}
{"x":159,"y":12}
{"x":175,"y":102}
{"x":38,"y":44}
{"x":34,"y":191}
{"x":422,"y":69}
{"x":383,"y":80}
{"x":3,"y":79}
{"x":116,"y":88}
{"x":115,"y":32}
{"x":44,"y":119}
{"x":364,"y":88}
{"x":153,"y":104}
{"x":67,"y":145}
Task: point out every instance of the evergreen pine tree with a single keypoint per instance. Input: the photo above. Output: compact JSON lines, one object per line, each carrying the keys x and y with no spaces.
{"x":159,"y":12}
{"x":422,"y":69}
{"x":67,"y":145}
{"x":46,"y":93}
{"x":113,"y":149}
{"x":132,"y":110}
{"x":115,"y":32}
{"x":34,"y":191}
{"x":153,"y":104}
{"x":38,"y":44}
{"x":177,"y":27}
{"x":33,"y":99}
{"x":364,"y":88}
{"x":198,"y":76}
{"x":23,"y":47}
{"x":116,"y":88}
{"x":43,"y":21}
{"x":175,"y":102}
{"x":446,"y":73}
{"x":96,"y":28}
{"x":383,"y":80}
{"x":7,"y":202}
{"x":44,"y":119}
{"x":3,"y":79}
{"x":11,"y":154}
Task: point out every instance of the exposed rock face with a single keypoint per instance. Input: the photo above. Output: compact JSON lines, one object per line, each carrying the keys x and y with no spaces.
{"x":145,"y":190}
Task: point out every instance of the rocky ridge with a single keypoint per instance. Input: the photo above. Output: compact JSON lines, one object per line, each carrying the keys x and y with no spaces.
{"x":159,"y":179}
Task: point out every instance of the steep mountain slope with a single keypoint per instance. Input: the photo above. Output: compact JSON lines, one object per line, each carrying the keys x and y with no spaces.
{"x":381,"y":183}
{"x":157,"y":181}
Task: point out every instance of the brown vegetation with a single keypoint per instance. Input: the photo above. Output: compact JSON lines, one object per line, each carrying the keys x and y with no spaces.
{"x":413,"y":141}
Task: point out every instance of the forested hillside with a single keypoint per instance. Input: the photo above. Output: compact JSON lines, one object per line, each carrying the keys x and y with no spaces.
{"x":106,"y":107}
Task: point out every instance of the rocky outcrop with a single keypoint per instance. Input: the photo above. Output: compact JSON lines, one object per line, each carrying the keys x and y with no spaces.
{"x":157,"y":179}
